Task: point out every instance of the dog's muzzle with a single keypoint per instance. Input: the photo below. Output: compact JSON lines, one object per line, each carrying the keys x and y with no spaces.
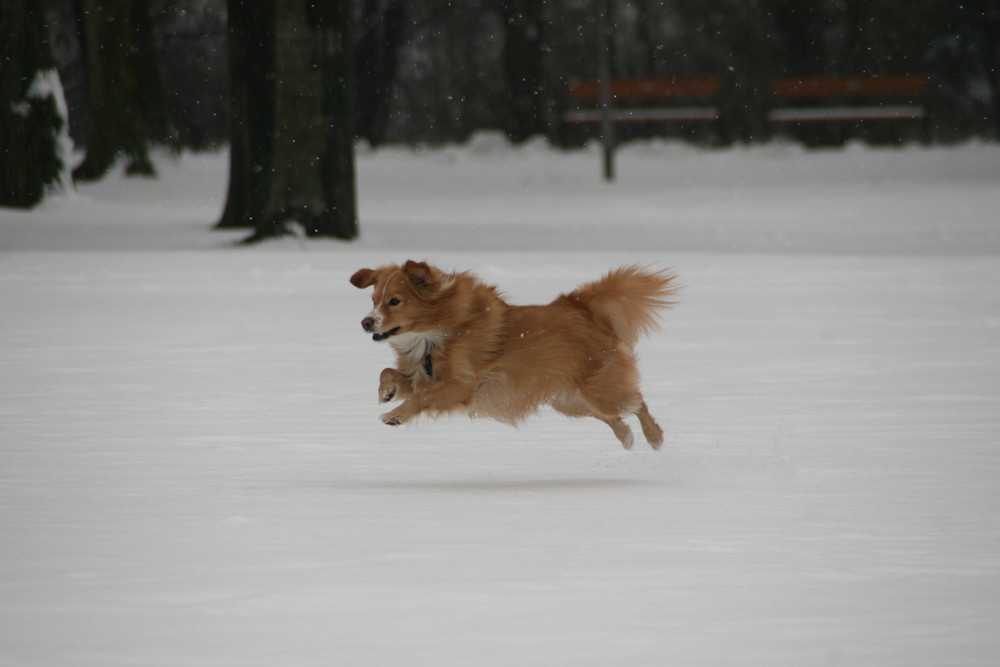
{"x":368,"y":324}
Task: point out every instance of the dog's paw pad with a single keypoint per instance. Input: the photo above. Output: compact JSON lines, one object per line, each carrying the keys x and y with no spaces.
{"x":391,"y":419}
{"x":386,"y":396}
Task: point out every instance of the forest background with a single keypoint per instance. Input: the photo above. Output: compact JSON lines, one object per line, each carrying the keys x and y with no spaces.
{"x":290,"y":85}
{"x":440,"y":70}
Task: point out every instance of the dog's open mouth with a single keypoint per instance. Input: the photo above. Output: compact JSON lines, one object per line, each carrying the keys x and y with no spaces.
{"x":385,"y":334}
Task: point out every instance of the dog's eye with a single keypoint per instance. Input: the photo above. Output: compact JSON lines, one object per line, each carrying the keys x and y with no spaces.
{"x":394,"y":301}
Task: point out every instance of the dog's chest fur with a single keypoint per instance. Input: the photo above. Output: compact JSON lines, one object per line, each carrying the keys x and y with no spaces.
{"x":413,"y":350}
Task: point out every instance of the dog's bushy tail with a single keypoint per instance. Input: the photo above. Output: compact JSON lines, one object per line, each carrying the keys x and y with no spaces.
{"x":628,"y":300}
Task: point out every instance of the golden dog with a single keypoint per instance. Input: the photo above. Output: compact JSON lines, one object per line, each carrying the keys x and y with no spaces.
{"x":460,"y":347}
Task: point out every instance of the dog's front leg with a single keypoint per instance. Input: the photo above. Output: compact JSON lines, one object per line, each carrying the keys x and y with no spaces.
{"x":393,"y":384}
{"x":437,"y":399}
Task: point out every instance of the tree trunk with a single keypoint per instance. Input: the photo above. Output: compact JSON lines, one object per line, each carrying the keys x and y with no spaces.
{"x":377,"y":50}
{"x":292,"y":133}
{"x":523,"y":64}
{"x":745,"y":93}
{"x":34,"y":139}
{"x":251,"y":72}
{"x":124,"y":94}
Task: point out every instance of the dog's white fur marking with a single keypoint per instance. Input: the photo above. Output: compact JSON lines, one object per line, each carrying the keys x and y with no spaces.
{"x":413,"y":346}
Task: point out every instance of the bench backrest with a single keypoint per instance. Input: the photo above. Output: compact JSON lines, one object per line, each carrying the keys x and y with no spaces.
{"x":648,"y":89}
{"x":820,"y":87}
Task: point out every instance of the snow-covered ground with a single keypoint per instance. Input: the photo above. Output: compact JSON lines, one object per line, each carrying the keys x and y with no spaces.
{"x":192,"y":471}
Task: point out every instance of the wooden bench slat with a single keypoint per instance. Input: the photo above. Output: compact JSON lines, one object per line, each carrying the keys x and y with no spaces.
{"x":648,"y":89}
{"x":644,"y":115}
{"x":848,"y":86}
{"x":825,"y":114}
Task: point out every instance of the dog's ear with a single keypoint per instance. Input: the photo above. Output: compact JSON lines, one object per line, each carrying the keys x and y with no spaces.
{"x":363,"y":278}
{"x":422,"y":276}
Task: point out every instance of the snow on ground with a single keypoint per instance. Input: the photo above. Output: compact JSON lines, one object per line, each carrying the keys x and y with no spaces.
{"x":192,"y":471}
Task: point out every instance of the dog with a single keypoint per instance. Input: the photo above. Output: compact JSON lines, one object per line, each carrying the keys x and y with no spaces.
{"x":461,"y":348}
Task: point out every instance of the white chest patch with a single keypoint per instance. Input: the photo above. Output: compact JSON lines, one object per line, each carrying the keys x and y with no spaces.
{"x":413,"y":346}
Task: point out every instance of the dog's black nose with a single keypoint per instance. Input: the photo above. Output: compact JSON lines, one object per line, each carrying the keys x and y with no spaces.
{"x":368,"y":323}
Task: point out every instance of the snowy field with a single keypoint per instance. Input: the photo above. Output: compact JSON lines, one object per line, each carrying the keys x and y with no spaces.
{"x":192,"y":471}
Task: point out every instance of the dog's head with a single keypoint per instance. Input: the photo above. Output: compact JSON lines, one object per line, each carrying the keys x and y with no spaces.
{"x":403,"y":298}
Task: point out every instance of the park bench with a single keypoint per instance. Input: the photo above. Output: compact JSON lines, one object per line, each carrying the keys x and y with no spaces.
{"x":647,"y":100}
{"x":790,"y":101}
{"x":822,"y":99}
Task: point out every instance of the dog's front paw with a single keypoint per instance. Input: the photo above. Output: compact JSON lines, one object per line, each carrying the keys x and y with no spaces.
{"x":388,"y":385}
{"x":392,"y":418}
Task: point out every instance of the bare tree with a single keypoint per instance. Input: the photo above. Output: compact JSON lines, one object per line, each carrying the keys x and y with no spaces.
{"x":126,"y":111}
{"x":523,"y":67}
{"x":32,"y":110}
{"x":292,"y":132}
{"x":382,"y":33}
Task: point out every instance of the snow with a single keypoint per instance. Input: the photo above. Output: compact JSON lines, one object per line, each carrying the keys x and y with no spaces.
{"x":192,"y":470}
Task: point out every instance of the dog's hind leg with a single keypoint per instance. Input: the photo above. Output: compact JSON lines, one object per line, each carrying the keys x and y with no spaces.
{"x":650,"y":429}
{"x":621,"y":429}
{"x":577,"y":406}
